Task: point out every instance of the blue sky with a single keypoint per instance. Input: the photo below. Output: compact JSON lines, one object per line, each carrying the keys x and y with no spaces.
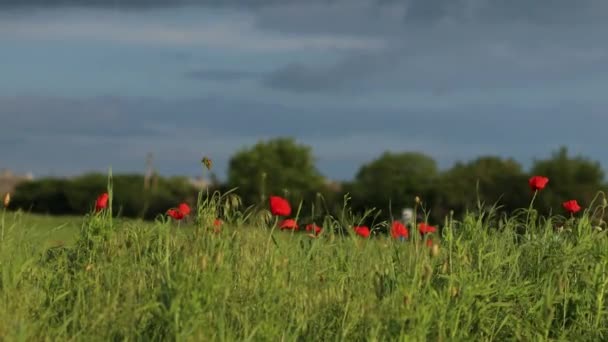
{"x":85,"y":86}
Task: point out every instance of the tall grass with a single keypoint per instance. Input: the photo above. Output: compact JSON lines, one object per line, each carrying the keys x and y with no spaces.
{"x":494,"y":278}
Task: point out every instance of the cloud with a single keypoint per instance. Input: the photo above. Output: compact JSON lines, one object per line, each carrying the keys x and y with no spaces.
{"x":296,"y":13}
{"x":472,"y":65}
{"x":347,"y":74}
{"x":65,"y":135}
{"x":448,"y":45}
{"x":222,"y":75}
{"x":227,"y":31}
{"x":509,"y":77}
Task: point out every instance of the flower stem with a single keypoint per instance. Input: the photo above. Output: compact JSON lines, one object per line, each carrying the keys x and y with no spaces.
{"x":530,"y":210}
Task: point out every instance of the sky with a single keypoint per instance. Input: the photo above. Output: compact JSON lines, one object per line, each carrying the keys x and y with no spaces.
{"x":88,"y":85}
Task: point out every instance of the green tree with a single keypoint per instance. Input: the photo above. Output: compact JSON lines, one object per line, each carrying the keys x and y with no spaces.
{"x":569,"y":178}
{"x":46,"y":196}
{"x":274,"y":167}
{"x":77,"y":195}
{"x":487,"y":179}
{"x":395,"y":179}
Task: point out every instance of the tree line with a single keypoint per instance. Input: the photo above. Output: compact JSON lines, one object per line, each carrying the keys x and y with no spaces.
{"x":389,"y":183}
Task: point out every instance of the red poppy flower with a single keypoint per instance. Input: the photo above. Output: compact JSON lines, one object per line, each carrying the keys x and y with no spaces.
{"x":538,"y":182}
{"x":362,"y":231}
{"x":102,"y":202}
{"x":429,"y":243}
{"x":279,"y":206}
{"x":313,"y":228}
{"x":184,"y":209}
{"x":399,"y":231}
{"x":572,"y":206}
{"x":288,"y":224}
{"x":175,"y":214}
{"x":424,"y":228}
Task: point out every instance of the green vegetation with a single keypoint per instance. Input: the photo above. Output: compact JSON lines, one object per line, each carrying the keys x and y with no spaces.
{"x":279,"y":166}
{"x":73,"y":196}
{"x":493,"y":277}
{"x":283,"y":167}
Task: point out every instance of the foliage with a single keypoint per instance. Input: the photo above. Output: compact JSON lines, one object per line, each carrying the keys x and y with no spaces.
{"x":389,"y":184}
{"x":73,"y":196}
{"x":169,"y":281}
{"x":394,"y":180}
{"x":570,"y":178}
{"x":279,"y":166}
{"x":486,"y":179}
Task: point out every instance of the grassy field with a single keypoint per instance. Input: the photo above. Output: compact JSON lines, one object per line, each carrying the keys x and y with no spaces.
{"x":492,"y":278}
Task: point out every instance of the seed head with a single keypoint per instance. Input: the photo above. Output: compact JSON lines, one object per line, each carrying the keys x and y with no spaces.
{"x":7,"y":199}
{"x":445,"y":267}
{"x":407,"y":300}
{"x":435,"y":250}
{"x":207,"y":162}
{"x":417,"y":200}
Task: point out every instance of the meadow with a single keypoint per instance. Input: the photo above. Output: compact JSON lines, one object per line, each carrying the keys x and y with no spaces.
{"x":484,"y":277}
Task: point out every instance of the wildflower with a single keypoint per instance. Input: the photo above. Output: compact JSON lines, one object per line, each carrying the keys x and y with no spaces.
{"x":424,"y":228}
{"x":7,"y":199}
{"x":184,"y":209}
{"x":399,"y":231}
{"x":362,"y":231}
{"x":102,"y":202}
{"x":288,"y":224}
{"x":175,"y":214}
{"x":571,"y":206}
{"x":313,"y":228}
{"x":279,"y":206}
{"x":429,"y":243}
{"x":538,"y":182}
{"x":207,"y":162}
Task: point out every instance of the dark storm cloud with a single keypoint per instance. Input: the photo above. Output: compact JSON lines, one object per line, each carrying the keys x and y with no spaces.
{"x":123,"y":117}
{"x":417,"y":10}
{"x":347,"y":73}
{"x":446,"y":45}
{"x":67,"y":135}
{"x":469,"y":66}
{"x":222,"y":75}
{"x":144,"y":3}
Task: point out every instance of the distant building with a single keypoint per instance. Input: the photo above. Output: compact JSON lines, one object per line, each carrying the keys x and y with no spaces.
{"x":9,"y":180}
